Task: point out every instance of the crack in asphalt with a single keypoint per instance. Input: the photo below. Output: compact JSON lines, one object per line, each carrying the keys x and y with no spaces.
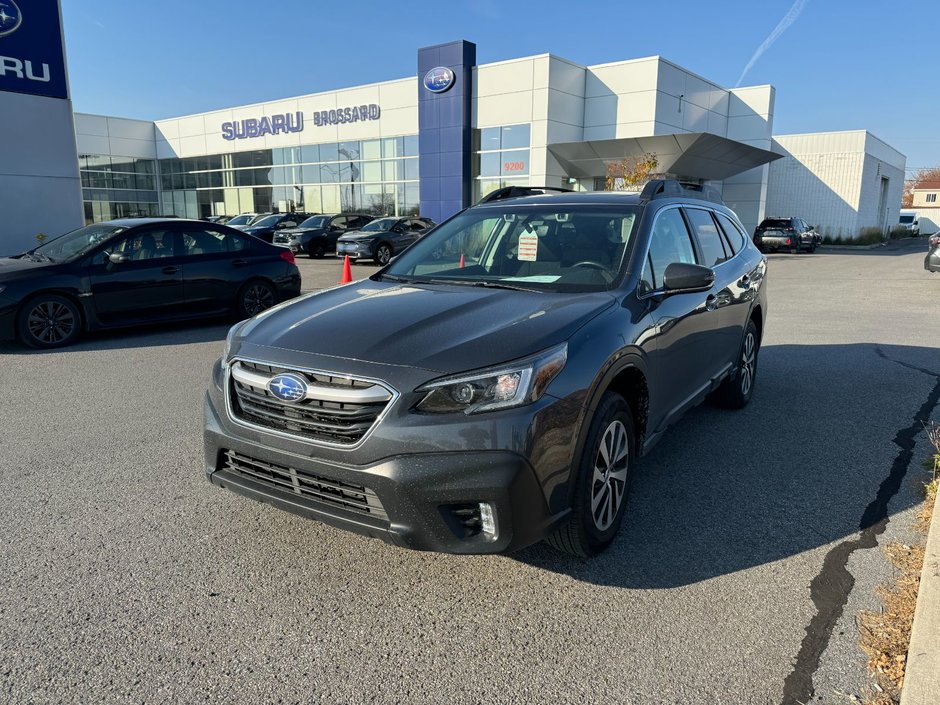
{"x":830,"y":588}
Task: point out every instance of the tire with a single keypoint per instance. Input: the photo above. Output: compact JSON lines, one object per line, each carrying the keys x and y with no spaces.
{"x":602,"y":487}
{"x":383,"y":253}
{"x":49,"y":321}
{"x":316,"y":250}
{"x":255,"y":297}
{"x":736,"y":391}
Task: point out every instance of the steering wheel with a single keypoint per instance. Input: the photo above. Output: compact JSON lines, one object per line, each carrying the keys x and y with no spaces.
{"x":589,"y":264}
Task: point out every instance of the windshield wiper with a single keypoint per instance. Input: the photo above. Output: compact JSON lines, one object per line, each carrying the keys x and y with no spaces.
{"x":479,"y":282}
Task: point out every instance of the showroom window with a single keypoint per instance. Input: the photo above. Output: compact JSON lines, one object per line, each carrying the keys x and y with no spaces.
{"x":379,"y":177}
{"x":117,"y":187}
{"x":501,"y":157}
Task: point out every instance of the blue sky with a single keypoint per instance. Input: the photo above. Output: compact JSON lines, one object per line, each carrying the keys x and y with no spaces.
{"x":840,"y":65}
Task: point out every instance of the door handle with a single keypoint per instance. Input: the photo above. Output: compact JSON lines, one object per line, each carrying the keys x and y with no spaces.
{"x":711,"y":303}
{"x":239,"y":262}
{"x":170,"y":270}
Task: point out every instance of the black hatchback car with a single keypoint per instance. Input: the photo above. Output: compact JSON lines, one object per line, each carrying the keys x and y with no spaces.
{"x":792,"y":234}
{"x":129,"y":272}
{"x":383,"y":238}
{"x":500,"y":394}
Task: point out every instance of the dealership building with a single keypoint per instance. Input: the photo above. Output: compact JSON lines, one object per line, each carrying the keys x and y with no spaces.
{"x":429,"y":144}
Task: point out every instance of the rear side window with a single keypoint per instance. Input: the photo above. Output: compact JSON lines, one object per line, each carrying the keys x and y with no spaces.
{"x":706,"y":233}
{"x":733,"y":234}
{"x":669,"y":242}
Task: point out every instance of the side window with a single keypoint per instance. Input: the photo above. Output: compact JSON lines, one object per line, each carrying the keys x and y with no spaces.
{"x":669,"y":242}
{"x":339,"y":222}
{"x":237,"y":243}
{"x":734,"y":235}
{"x":197,"y":241}
{"x":706,"y":233}
{"x":290,"y":222}
{"x":359,"y":221}
{"x":148,"y":245}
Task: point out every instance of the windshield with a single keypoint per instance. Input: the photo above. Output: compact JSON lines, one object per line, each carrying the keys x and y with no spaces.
{"x":317,"y":221}
{"x":907,"y":219}
{"x":240,"y":220}
{"x":76,"y":243}
{"x":566,"y":247}
{"x":380,"y":225}
{"x":268,"y":221}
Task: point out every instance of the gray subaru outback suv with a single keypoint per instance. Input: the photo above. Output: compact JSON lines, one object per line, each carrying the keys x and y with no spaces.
{"x":494,"y":385}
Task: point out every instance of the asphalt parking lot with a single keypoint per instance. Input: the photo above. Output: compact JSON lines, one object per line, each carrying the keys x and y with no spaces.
{"x":752,"y":538}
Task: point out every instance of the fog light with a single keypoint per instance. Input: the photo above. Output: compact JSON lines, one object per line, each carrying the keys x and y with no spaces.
{"x":487,"y":519}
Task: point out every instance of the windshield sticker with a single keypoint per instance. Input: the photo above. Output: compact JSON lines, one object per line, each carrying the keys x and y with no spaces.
{"x":528,"y":247}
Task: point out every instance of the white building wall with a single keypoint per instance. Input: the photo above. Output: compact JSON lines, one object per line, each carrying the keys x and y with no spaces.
{"x":120,"y":137}
{"x":751,"y":121}
{"x":833,"y":180}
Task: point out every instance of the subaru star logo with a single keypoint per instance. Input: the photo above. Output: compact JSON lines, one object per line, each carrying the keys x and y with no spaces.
{"x":10,"y":17}
{"x":439,"y":79}
{"x":288,"y":387}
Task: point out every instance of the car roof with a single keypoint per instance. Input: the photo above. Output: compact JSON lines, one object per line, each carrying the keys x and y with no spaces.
{"x":133,"y":222}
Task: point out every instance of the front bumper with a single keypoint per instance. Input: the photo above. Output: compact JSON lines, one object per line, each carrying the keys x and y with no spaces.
{"x":414,"y":500}
{"x":355,"y":250}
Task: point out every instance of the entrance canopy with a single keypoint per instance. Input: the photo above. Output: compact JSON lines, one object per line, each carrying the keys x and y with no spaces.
{"x":695,"y":155}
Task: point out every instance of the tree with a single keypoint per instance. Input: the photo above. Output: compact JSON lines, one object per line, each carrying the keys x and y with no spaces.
{"x":922,"y":176}
{"x":631,"y":172}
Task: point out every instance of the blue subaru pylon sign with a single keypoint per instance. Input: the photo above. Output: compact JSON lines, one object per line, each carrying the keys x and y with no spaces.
{"x":31,"y":56}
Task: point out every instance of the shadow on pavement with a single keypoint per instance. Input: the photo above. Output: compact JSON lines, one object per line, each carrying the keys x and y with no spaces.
{"x":796,"y":470}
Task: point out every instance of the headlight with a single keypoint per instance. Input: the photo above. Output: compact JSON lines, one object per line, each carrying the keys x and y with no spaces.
{"x":514,"y":384}
{"x":227,"y":350}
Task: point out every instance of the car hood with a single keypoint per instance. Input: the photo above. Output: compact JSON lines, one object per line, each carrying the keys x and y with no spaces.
{"x":294,"y":232}
{"x":440,"y":328}
{"x":363,"y":235}
{"x":11,"y":267}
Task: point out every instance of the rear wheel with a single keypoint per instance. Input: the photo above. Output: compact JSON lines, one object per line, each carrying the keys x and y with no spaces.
{"x":603,"y":481}
{"x":255,"y":297}
{"x":49,"y":321}
{"x":736,"y":391}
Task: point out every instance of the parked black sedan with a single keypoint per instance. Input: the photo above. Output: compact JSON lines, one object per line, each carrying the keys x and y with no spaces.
{"x":382,"y":239}
{"x":265,"y":228}
{"x":134,"y":271}
{"x":932,"y":261}
{"x":317,"y":235}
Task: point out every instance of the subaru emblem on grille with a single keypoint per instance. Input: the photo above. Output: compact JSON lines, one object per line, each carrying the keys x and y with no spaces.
{"x":288,"y":387}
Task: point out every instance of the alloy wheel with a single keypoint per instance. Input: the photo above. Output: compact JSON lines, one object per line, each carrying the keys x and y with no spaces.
{"x":383,"y":254}
{"x":257,"y":298}
{"x":51,"y":322}
{"x":609,"y":481}
{"x":748,"y":361}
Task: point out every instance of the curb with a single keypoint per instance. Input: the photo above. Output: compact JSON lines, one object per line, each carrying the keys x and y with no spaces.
{"x":922,"y":670}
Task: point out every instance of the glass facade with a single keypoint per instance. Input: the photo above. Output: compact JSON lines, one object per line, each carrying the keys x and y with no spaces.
{"x":378,"y":177}
{"x":501,"y":158}
{"x":117,"y":187}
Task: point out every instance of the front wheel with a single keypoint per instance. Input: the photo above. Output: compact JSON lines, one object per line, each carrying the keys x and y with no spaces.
{"x":736,"y":391}
{"x":383,"y":253}
{"x":49,"y":321}
{"x":316,"y":250}
{"x":602,"y":480}
{"x":255,"y":297}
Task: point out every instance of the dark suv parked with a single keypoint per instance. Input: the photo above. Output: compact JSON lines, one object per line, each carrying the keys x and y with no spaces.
{"x":480,"y":401}
{"x":792,"y":234}
{"x":266,"y":227}
{"x":318,"y":235}
{"x":383,"y":238}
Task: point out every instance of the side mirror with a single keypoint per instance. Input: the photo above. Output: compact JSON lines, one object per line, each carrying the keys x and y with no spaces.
{"x":116,"y":258}
{"x":680,"y":277}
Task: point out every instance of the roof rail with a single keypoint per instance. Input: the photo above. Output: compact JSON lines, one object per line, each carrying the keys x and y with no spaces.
{"x":501,"y":194}
{"x":664,"y":188}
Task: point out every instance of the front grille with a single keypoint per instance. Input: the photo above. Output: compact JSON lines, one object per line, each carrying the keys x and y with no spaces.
{"x":281,"y":237}
{"x":307,"y":485}
{"x":337,"y":410}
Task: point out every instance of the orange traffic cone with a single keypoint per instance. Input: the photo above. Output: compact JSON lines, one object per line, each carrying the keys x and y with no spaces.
{"x":461,"y":260}
{"x":347,"y":272}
